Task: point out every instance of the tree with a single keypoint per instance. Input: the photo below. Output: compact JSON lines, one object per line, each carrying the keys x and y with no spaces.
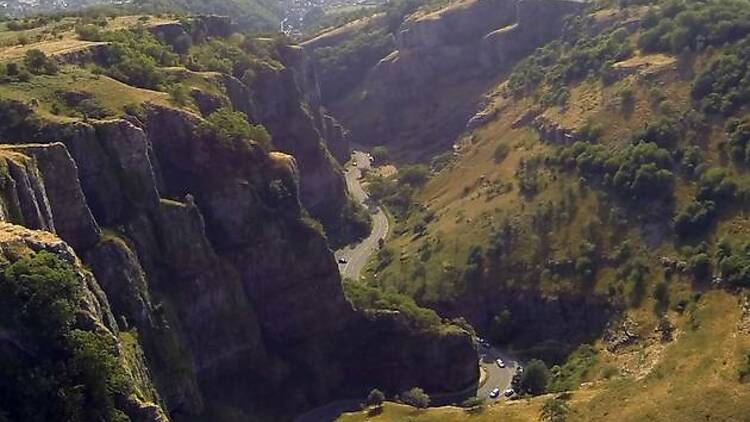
{"x":535,"y":377}
{"x":232,"y":126}
{"x":375,"y":398}
{"x":380,"y":154}
{"x":414,"y":175}
{"x":38,"y":63}
{"x":554,"y":410}
{"x":416,"y":397}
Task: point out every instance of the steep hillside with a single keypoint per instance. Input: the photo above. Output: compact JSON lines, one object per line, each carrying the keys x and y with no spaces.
{"x":152,"y":154}
{"x":594,"y":206}
{"x":414,"y":86}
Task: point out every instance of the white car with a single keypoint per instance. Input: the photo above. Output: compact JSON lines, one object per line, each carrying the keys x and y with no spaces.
{"x":509,"y":392}
{"x":494,"y":393}
{"x":500,"y":363}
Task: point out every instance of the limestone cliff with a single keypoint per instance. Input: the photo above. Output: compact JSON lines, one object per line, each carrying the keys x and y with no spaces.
{"x":206,"y":252}
{"x":420,"y":96}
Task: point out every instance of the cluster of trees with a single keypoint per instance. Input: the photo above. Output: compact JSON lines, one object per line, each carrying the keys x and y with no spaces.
{"x":694,"y":25}
{"x":717,"y":189}
{"x":73,"y":374}
{"x":724,"y":86}
{"x":232,"y":128}
{"x":641,"y":170}
{"x":137,"y":57}
{"x":371,"y":298}
{"x":38,"y":63}
{"x":563,"y":62}
{"x":397,"y":192}
{"x":733,"y":262}
{"x":35,"y":62}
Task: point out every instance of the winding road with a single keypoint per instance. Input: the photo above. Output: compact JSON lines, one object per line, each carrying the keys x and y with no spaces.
{"x":355,"y":256}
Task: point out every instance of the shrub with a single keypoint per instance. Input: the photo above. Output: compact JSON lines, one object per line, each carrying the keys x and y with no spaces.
{"x":501,"y":152}
{"x":380,"y":154}
{"x":535,"y":377}
{"x":554,"y":410}
{"x":369,"y":298}
{"x":416,"y":397}
{"x":744,"y":370}
{"x":695,"y":219}
{"x":413,"y":175}
{"x":375,"y":398}
{"x":233,"y":128}
{"x":570,"y":375}
{"x":92,"y":108}
{"x":180,"y":94}
{"x":37,"y":62}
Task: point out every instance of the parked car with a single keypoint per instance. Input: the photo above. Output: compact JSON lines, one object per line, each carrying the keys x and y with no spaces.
{"x":509,"y":392}
{"x":343,"y":261}
{"x":494,"y":393}
{"x":500,"y":363}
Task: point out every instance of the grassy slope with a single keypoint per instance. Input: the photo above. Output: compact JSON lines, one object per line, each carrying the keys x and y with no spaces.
{"x":694,"y":377}
{"x":60,"y":37}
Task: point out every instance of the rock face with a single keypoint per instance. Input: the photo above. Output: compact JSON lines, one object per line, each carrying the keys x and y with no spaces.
{"x":284,"y":101}
{"x":459,"y":51}
{"x":237,"y":299}
{"x":72,"y":218}
{"x":508,"y":44}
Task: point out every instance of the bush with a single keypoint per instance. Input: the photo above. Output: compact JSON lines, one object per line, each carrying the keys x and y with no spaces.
{"x":535,"y":377}
{"x":413,"y":175}
{"x":37,"y":62}
{"x":180,"y":94}
{"x":375,"y":398}
{"x":232,"y":127}
{"x":416,"y":397}
{"x":695,"y":219}
{"x":501,"y":152}
{"x":92,"y":108}
{"x":380,"y":155}
{"x":554,"y":410}
{"x":744,"y":370}
{"x":369,"y":298}
{"x":570,"y":375}
{"x":641,"y":170}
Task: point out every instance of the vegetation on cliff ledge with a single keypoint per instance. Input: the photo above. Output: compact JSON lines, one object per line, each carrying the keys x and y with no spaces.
{"x":52,"y":368}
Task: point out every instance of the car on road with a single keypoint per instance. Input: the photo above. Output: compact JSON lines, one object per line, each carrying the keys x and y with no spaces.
{"x":509,"y":392}
{"x":482,"y":342}
{"x":494,"y":393}
{"x":343,"y":261}
{"x":500,"y":363}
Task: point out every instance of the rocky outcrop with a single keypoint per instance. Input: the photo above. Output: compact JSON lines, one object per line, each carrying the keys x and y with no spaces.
{"x":72,"y":217}
{"x":282,"y":110}
{"x":24,"y":198}
{"x":506,"y":45}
